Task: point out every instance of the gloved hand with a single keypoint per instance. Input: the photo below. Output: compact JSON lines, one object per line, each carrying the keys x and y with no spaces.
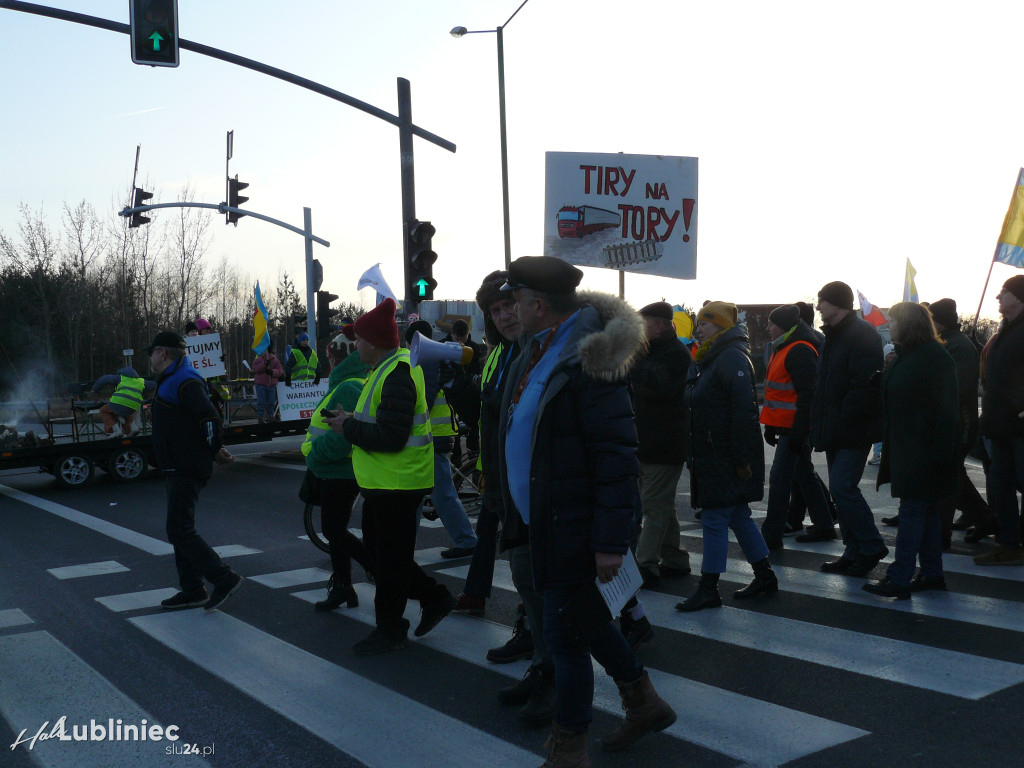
{"x":316,"y":381}
{"x":287,"y":381}
{"x":770,"y":435}
{"x":744,"y":472}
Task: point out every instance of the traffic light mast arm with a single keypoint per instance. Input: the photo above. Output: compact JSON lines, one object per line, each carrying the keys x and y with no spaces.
{"x":222,"y":208}
{"x":231,"y":58}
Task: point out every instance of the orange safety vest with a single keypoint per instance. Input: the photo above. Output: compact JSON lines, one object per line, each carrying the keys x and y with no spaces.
{"x":779,"y":395}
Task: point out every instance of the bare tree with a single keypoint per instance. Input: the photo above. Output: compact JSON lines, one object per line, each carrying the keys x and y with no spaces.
{"x":83,"y":242}
{"x":190,"y":239}
{"x":36,"y":255}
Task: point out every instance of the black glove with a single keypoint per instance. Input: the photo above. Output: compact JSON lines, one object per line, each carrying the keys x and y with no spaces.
{"x":288,"y":380}
{"x":316,"y":381}
{"x":770,"y":436}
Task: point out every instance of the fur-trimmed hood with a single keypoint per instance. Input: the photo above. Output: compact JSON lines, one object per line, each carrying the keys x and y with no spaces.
{"x":608,"y":336}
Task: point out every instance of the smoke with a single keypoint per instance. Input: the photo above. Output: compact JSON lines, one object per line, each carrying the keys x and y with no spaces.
{"x":21,"y":393}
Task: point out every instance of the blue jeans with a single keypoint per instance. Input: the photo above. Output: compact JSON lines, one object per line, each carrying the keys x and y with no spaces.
{"x":791,"y":470}
{"x":574,"y":672}
{"x":716,"y":524}
{"x":446,"y":502}
{"x":919,"y":535}
{"x":521,"y":563}
{"x":193,"y":557}
{"x":1005,"y":476}
{"x":856,"y":523}
{"x":266,"y":401}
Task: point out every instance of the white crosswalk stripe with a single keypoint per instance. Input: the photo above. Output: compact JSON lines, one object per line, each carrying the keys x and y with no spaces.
{"x":380,"y":727}
{"x":936,"y":669}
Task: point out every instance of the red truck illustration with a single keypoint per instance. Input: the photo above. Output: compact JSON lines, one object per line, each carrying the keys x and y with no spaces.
{"x":583,"y":220}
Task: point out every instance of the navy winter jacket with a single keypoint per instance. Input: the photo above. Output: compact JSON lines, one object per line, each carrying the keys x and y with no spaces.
{"x":725,"y":429}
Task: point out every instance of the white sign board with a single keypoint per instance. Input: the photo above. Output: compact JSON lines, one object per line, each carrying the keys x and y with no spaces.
{"x":636,"y":213}
{"x":300,"y":399}
{"x":204,"y":352}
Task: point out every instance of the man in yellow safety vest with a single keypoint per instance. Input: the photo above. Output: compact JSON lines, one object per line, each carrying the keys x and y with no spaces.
{"x":393,"y":460}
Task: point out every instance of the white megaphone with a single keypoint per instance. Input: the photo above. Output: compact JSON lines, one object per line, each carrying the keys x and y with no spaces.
{"x":423,"y":350}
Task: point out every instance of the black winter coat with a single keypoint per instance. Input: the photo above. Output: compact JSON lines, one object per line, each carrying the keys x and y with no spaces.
{"x":725,"y":432}
{"x":1003,"y":399}
{"x":491,"y":392}
{"x":965,"y":357}
{"x":847,"y":409}
{"x":921,"y":447}
{"x":658,"y":380}
{"x":583,"y":491}
{"x":186,"y":427}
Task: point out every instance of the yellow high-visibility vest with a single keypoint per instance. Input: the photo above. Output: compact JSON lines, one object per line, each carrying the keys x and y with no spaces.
{"x":411,"y":468}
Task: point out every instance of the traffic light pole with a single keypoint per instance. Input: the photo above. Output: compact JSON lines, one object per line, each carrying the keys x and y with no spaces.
{"x":310,"y":280}
{"x":408,"y":184}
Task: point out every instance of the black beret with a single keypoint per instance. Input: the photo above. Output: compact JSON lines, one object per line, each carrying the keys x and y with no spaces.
{"x":660,"y":309}
{"x":542,"y":273}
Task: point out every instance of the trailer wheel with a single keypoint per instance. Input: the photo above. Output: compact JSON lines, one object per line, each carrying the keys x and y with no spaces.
{"x":127,"y":464}
{"x":74,"y":471}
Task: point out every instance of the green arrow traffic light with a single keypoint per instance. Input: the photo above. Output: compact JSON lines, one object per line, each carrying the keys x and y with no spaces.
{"x":422,"y":285}
{"x":156,"y":37}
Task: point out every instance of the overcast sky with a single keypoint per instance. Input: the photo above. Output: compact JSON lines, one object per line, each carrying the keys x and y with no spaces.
{"x":834,"y":140}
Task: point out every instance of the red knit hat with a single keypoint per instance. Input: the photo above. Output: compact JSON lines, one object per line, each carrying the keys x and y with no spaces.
{"x":378,"y":326}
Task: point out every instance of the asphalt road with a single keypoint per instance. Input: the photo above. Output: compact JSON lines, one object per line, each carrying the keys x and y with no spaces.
{"x":822,"y":674}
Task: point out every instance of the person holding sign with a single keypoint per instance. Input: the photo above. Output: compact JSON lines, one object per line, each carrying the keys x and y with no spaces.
{"x":568,"y":451}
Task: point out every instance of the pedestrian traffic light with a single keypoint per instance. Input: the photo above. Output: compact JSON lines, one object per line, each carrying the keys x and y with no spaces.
{"x":324,"y":313}
{"x":234,"y":199}
{"x":154,"y":32}
{"x":139,"y":199}
{"x":420,"y":267}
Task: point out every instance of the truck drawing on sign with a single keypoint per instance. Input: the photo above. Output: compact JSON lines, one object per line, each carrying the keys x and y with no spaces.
{"x":582,"y":220}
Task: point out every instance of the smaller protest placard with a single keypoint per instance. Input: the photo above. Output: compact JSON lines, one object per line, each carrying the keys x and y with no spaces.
{"x":205,"y":352}
{"x":300,"y":399}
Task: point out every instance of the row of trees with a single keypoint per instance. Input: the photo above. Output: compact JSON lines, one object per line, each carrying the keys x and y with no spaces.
{"x":75,"y":294}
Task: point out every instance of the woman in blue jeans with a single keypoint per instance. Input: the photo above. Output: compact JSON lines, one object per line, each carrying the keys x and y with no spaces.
{"x":920,"y":448}
{"x":725,"y":453}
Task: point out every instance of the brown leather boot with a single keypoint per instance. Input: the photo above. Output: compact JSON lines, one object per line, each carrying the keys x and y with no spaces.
{"x":566,"y":749}
{"x":646,"y":712}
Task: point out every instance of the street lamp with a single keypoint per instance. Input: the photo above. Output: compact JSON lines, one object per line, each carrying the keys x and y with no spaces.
{"x":459,"y":32}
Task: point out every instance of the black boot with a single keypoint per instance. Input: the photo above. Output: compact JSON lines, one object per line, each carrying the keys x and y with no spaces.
{"x":338,"y":592}
{"x":706,"y":595}
{"x":764,"y":583}
{"x":539,"y":708}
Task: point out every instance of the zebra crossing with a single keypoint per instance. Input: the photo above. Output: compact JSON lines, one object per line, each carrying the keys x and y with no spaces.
{"x":307,"y":687}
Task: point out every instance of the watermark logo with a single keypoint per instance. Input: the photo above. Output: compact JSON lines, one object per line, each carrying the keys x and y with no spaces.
{"x":112,"y":730}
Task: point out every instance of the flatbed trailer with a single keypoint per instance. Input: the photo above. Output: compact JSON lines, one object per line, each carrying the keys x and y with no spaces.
{"x":73,"y":458}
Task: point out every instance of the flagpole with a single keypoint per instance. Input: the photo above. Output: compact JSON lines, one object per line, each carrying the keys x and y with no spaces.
{"x":974,"y":330}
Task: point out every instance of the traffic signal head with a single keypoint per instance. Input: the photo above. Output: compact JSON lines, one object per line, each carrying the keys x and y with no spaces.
{"x":139,"y":199}
{"x":324,"y":313}
{"x":154,"y":32}
{"x":234,"y":199}
{"x":420,"y":268}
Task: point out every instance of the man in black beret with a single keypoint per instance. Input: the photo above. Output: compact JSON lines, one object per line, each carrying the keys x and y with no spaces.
{"x":568,"y":455}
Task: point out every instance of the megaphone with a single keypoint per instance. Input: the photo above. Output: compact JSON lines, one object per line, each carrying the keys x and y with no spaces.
{"x":423,"y":350}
